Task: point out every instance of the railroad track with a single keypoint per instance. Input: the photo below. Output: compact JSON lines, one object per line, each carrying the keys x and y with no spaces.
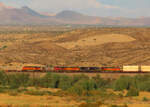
{"x":129,"y":72}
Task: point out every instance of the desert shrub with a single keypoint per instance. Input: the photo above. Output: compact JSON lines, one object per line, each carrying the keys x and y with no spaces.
{"x":77,"y":78}
{"x":132,"y":92}
{"x":96,"y":104}
{"x":50,"y":80}
{"x":121,"y":95}
{"x":82,"y":87}
{"x":77,"y":89}
{"x":142,"y":77}
{"x":4,"y":47}
{"x":38,"y":93}
{"x":35,"y":82}
{"x":14,"y":81}
{"x":144,"y":86}
{"x":124,"y":82}
{"x":2,"y":90}
{"x":125,"y":105}
{"x":65,"y":82}
{"x":3,"y":78}
{"x":18,"y":80}
{"x":114,"y":105}
{"x":145,"y":99}
{"x":13,"y":93}
{"x":100,"y":82}
{"x":46,"y":80}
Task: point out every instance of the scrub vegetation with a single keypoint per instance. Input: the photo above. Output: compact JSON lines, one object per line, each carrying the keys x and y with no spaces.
{"x":94,"y":91}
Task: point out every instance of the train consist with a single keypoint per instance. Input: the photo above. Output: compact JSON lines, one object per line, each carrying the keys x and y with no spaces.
{"x":123,"y":69}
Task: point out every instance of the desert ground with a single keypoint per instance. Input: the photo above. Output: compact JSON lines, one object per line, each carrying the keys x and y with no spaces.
{"x":13,"y":99}
{"x":72,"y":46}
{"x":63,"y":46}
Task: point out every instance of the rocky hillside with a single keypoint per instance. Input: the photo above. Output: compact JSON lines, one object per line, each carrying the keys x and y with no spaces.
{"x":79,"y":47}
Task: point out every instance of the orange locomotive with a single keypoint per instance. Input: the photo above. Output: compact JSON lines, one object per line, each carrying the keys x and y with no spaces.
{"x":111,"y":69}
{"x":66,"y":69}
{"x":33,"y":68}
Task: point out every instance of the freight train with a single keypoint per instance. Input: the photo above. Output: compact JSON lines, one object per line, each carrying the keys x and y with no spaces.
{"x":123,"y":69}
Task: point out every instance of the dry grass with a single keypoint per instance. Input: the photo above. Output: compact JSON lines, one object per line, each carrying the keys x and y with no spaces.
{"x":97,"y":40}
{"x":36,"y":101}
{"x":23,"y":100}
{"x":79,"y":47}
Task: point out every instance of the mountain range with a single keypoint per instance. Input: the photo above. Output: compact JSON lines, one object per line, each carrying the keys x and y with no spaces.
{"x":27,"y":16}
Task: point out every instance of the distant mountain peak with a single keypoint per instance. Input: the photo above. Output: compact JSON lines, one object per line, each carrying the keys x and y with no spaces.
{"x":69,"y":13}
{"x":31,"y":12}
{"x":25,"y":7}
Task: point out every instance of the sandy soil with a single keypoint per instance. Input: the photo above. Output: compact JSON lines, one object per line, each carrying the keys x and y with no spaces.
{"x":36,"y":101}
{"x":94,"y":40}
{"x":78,"y":47}
{"x":57,"y":101}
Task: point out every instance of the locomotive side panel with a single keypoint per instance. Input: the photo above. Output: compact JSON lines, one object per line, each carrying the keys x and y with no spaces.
{"x":111,"y":69}
{"x":31,"y":68}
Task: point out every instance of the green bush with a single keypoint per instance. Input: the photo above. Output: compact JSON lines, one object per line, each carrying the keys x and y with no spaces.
{"x":18,"y":80}
{"x":65,"y":82}
{"x":50,"y":80}
{"x":144,"y":86}
{"x":132,"y":92}
{"x":77,"y":78}
{"x":3,"y":78}
{"x":13,"y":93}
{"x":82,"y":87}
{"x":38,"y":93}
{"x":145,"y":99}
{"x":124,"y":82}
{"x":100,"y":82}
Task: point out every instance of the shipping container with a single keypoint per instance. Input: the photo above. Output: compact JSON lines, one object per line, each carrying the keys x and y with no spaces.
{"x":131,"y":69}
{"x":145,"y":68}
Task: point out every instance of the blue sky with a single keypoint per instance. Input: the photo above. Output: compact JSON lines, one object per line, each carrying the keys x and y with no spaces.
{"x":115,"y":8}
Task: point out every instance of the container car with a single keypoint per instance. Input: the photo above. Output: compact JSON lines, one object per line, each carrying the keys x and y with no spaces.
{"x":131,"y":68}
{"x":145,"y":68}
